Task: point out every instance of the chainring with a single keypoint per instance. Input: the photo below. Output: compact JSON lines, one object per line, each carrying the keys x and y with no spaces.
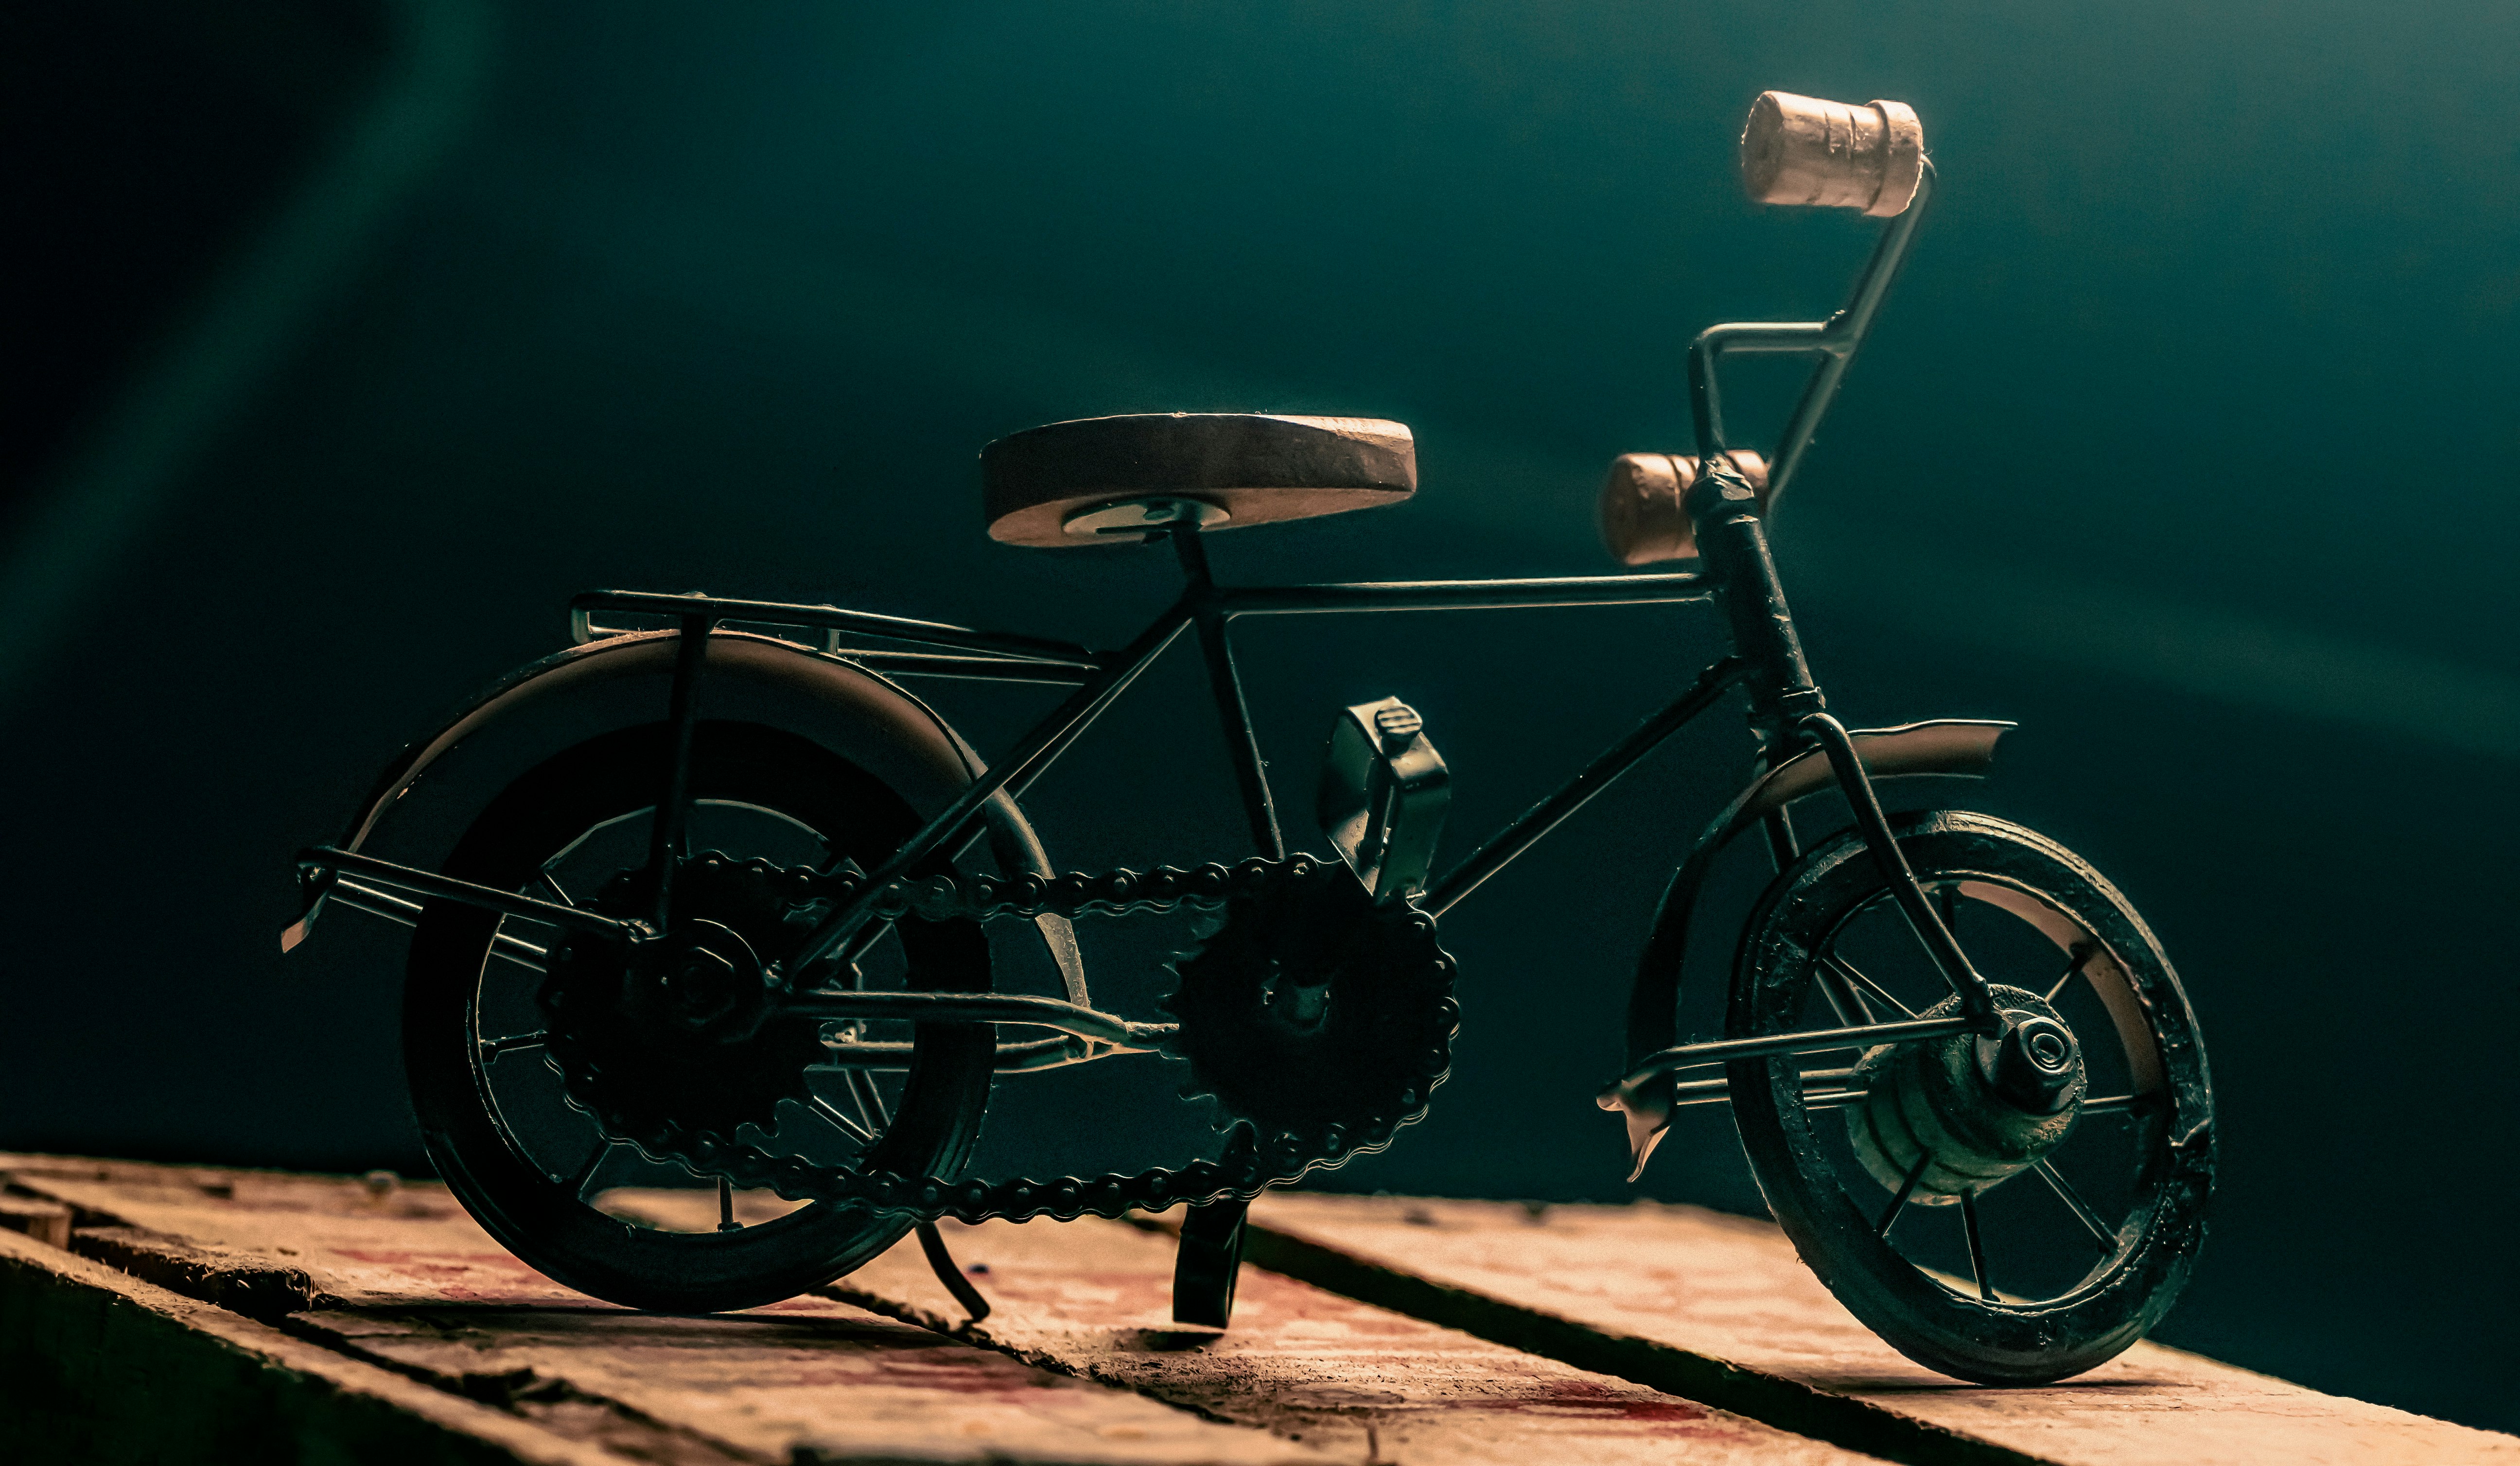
{"x":1407,"y":981}
{"x":627,"y":1050}
{"x":1310,"y":1006}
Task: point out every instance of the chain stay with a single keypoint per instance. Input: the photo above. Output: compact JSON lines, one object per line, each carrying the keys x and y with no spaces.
{"x":1245,"y":1170}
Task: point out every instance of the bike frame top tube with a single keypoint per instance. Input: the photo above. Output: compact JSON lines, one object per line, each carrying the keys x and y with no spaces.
{"x":1205,"y":604}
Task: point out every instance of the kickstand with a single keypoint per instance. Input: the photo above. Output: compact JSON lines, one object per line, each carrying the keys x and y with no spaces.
{"x":1209,"y":1261}
{"x":948,"y":1272}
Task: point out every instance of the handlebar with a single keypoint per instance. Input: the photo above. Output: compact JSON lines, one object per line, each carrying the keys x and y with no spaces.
{"x":1795,"y":150}
{"x":1832,"y":155}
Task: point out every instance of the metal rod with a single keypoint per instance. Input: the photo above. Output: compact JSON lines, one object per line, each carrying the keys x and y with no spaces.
{"x":578,"y":1183}
{"x":940,"y":1260}
{"x":1024,"y":1057}
{"x":1746,"y":337}
{"x":1699,"y":1092}
{"x":1848,"y":329}
{"x":1242,"y":744}
{"x":401,"y":912}
{"x":491,"y":1048}
{"x":1976,"y":1246}
{"x":1546,"y":815}
{"x":2073,"y":1199}
{"x":1866,"y":985}
{"x":726,"y":1221}
{"x":868,"y":1099}
{"x":862,"y":1134}
{"x":665,"y":834}
{"x":978,"y":1008}
{"x":1828,"y":984}
{"x":447,"y":888}
{"x":1463,"y":595}
{"x":1809,"y":1041}
{"x":2111,"y":1102}
{"x":1039,"y":748}
{"x":2074,"y":964}
{"x":832,"y":617}
{"x":967,"y":668}
{"x":1976,"y":1002}
{"x":1906,"y":1188}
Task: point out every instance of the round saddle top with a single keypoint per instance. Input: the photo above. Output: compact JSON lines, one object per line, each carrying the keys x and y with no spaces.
{"x":1044,"y":486}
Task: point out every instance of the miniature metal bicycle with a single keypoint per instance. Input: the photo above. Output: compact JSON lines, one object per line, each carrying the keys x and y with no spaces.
{"x":727,"y":881}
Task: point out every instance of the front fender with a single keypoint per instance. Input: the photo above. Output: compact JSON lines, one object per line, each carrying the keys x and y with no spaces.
{"x":433,"y":790}
{"x":1946,"y":745}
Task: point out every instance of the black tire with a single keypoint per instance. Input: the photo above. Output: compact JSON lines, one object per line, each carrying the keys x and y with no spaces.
{"x":2161,"y":1172}
{"x":516,"y":1197}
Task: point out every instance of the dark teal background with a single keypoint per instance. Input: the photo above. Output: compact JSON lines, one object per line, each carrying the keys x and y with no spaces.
{"x":2187,"y":440}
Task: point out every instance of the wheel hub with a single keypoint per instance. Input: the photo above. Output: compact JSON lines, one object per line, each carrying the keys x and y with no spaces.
{"x":684,"y":1029}
{"x":1983,"y":1107}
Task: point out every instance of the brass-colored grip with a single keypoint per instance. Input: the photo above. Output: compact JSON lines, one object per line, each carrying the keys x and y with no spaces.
{"x":1832,"y":155}
{"x":1642,"y":518}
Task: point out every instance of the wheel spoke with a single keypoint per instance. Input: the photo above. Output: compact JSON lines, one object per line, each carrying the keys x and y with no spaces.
{"x":870,"y":1099}
{"x":726,"y":1221}
{"x":585,"y":1177}
{"x":2082,"y":1209}
{"x":861,"y":1134}
{"x":2073,"y":965}
{"x":1863,"y":984}
{"x":2107,"y":1103}
{"x":1837,"y":1006}
{"x":1976,"y":1246}
{"x":524,"y":954}
{"x":1906,"y":1188}
{"x":550,"y":882}
{"x":491,"y":1048}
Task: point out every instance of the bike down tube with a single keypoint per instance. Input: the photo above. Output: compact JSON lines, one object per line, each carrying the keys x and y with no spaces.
{"x":1836,"y":339}
{"x":1040,"y":747}
{"x":1506,"y":845}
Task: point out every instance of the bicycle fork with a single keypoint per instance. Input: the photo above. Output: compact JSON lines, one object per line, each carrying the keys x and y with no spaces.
{"x":1788,"y":707}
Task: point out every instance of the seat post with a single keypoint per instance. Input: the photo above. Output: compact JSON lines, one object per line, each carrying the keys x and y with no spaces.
{"x":1190,"y":551}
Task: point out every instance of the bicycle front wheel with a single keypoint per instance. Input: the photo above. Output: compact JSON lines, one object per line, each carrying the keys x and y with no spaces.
{"x":2007,"y":1218}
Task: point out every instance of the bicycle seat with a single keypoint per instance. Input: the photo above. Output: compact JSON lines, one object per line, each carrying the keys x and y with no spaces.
{"x":1096,"y":480}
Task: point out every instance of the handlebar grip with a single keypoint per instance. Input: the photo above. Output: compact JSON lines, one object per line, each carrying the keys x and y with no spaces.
{"x":1642,"y":518}
{"x":1832,"y":155}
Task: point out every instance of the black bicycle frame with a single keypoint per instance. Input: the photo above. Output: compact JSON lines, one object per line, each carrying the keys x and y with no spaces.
{"x":1739,"y":574}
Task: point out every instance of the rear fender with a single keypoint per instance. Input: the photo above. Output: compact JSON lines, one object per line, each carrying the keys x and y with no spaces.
{"x":432,"y":793}
{"x":1961,"y":746}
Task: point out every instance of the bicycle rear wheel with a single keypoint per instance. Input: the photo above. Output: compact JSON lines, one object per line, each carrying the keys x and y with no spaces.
{"x":1975,"y":1229}
{"x":521,"y":1151}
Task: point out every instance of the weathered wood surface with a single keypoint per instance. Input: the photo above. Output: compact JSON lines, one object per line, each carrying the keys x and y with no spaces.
{"x":404,"y":1280}
{"x":377,"y":1322}
{"x":1094,"y":1298}
{"x":1718,"y":1309}
{"x":97,"y":1365}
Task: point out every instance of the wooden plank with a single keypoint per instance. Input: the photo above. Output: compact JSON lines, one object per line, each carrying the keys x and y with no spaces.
{"x":1363,"y":1383}
{"x":402,"y":1279}
{"x":47,"y":1221}
{"x":98,"y":1366}
{"x":1719,"y":1308}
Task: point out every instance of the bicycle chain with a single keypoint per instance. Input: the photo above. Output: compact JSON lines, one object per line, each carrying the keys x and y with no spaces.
{"x":1246,"y":1167}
